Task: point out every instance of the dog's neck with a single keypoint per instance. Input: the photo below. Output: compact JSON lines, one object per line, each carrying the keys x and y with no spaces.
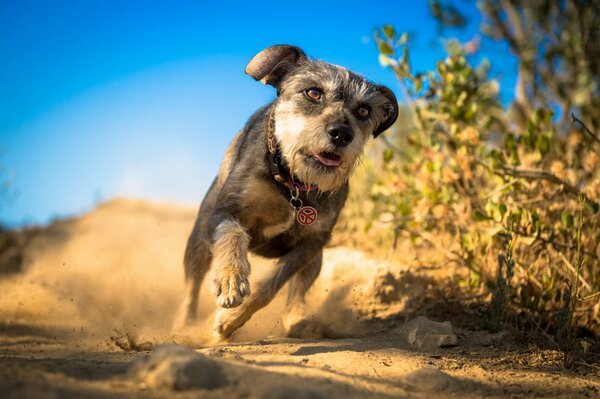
{"x":280,"y":172}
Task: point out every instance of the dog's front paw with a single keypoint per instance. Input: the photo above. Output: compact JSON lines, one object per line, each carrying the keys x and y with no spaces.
{"x":231,"y":289}
{"x":227,"y":321}
{"x":223,"y":326}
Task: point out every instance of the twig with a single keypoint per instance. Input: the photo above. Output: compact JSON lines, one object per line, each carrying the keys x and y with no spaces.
{"x":574,"y":271}
{"x":534,"y":174}
{"x":584,"y":363}
{"x":585,"y":298}
{"x":554,"y":244}
{"x":542,"y":330}
{"x":585,"y":128}
{"x":529,"y":276}
{"x":499,"y":189}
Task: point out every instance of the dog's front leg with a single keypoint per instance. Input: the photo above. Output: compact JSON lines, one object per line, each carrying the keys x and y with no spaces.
{"x":230,"y":263}
{"x":295,"y":321}
{"x":229,"y":320}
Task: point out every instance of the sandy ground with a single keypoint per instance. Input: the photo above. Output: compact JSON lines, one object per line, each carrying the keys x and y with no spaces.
{"x":83,"y":299}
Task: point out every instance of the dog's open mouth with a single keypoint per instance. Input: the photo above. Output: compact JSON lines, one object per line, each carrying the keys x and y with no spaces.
{"x":329,"y":159}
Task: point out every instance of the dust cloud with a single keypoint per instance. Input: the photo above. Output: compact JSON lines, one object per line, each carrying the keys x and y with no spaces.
{"x":115,"y":276}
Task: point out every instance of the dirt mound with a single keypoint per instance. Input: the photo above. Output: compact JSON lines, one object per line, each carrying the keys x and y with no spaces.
{"x":114,"y":269}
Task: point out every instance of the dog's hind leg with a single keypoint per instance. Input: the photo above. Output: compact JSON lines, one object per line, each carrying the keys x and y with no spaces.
{"x":197,"y":262}
{"x":229,"y":320}
{"x":294,"y":319}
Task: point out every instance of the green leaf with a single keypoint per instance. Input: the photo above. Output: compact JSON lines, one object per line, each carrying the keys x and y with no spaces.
{"x":418,"y":85}
{"x":462,"y":96}
{"x":496,"y":155}
{"x":543,"y":144}
{"x":480,"y":216}
{"x":441,"y":68}
{"x":594,"y":208}
{"x":502,"y":209}
{"x":510,"y":141}
{"x":403,"y":39}
{"x":567,"y":219}
{"x":388,"y":155}
{"x":387,"y":61}
{"x":385,"y":48}
{"x":389,"y":31}
{"x":535,"y":216}
{"x":514,"y":157}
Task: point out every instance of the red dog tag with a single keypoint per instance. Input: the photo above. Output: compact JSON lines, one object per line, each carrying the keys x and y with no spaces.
{"x":306,"y":215}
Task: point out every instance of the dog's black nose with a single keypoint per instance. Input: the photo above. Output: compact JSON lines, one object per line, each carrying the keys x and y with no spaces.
{"x":340,"y":133}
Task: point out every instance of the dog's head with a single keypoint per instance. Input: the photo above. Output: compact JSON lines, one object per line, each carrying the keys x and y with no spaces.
{"x":324,"y":114}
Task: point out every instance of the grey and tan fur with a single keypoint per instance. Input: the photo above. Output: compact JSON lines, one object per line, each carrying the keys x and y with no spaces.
{"x":247,"y":211}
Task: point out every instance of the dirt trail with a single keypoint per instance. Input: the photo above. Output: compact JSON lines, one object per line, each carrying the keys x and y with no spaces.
{"x":90,"y":294}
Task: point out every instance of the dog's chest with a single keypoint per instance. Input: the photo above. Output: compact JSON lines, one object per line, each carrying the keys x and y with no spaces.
{"x":271,"y":220}
{"x":266,"y":212}
{"x":273,"y":230}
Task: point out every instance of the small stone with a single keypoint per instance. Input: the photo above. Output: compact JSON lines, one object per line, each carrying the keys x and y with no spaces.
{"x":431,"y":380}
{"x":424,"y":334}
{"x":177,"y":367}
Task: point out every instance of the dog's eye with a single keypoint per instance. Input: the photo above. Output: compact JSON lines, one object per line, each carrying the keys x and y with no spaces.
{"x":363,"y":112}
{"x":313,"y":93}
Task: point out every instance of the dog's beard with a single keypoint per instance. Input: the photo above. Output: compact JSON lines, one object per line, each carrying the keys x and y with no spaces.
{"x":299,"y":144}
{"x":308,"y":170}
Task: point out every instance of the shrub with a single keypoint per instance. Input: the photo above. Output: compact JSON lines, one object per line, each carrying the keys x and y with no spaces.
{"x":509,"y":193}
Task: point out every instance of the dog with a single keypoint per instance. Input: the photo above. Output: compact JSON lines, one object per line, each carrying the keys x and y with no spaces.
{"x":281,"y":186}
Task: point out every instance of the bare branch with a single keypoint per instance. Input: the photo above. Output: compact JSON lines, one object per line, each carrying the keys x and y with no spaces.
{"x":585,"y":128}
{"x":534,"y":174}
{"x":574,"y":271}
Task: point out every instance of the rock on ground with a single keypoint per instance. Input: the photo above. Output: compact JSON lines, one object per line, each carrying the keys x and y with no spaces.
{"x":177,"y":367}
{"x":432,"y":380}
{"x":424,"y":334}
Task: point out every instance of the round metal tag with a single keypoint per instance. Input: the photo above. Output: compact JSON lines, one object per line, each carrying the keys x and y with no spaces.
{"x":306,"y":215}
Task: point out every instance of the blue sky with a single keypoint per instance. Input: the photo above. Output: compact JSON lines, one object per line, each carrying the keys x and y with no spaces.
{"x":100,"y":99}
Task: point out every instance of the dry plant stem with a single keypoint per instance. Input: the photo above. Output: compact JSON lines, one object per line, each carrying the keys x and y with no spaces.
{"x":580,"y":261}
{"x":409,"y":100}
{"x":531,"y":278}
{"x":499,"y":189}
{"x":570,"y":306}
{"x":591,"y":296}
{"x":585,"y":128}
{"x":590,"y":365}
{"x":542,"y":330}
{"x":556,"y":244}
{"x":574,"y":271}
{"x":534,"y":174}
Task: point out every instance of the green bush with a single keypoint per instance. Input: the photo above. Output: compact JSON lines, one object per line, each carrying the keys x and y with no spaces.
{"x":514,"y":190}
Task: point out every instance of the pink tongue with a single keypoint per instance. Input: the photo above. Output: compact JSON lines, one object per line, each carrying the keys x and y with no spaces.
{"x":327,"y":161}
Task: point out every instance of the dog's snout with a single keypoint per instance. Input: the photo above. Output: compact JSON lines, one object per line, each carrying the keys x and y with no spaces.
{"x":340,"y":134}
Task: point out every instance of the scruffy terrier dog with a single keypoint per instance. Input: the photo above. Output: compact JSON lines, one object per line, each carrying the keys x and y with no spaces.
{"x":282,"y":184}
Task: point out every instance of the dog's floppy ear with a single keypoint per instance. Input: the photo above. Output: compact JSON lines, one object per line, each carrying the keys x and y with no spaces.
{"x":273,"y":63}
{"x":392,"y":110}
